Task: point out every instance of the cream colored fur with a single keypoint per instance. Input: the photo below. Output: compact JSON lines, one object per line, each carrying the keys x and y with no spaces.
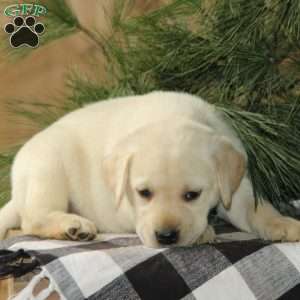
{"x":83,"y":173}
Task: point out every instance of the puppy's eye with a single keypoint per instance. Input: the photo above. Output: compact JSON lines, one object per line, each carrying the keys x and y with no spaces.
{"x":190,"y":196}
{"x":145,"y":193}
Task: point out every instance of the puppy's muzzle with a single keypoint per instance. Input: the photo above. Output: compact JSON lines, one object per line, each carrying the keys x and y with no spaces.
{"x":167,"y":236}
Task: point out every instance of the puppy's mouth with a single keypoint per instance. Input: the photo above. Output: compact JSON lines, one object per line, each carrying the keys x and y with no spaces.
{"x":152,"y":242}
{"x":188,"y":243}
{"x":180,"y":243}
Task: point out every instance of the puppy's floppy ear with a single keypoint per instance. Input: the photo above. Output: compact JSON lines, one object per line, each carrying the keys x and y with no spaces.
{"x":116,"y":173}
{"x":230,"y":167}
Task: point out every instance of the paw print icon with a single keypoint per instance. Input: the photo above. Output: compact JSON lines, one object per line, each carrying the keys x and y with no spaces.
{"x":24,"y":32}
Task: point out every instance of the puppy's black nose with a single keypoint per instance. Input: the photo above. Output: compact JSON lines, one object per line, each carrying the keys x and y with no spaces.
{"x":167,"y":236}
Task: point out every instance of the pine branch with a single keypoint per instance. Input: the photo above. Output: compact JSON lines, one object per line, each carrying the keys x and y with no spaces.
{"x":35,"y":113}
{"x":271,"y":147}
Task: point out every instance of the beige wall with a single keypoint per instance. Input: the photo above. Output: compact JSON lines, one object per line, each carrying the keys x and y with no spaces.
{"x":41,"y":75}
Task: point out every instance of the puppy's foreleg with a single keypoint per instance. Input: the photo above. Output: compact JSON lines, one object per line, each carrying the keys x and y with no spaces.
{"x":45,"y":210}
{"x":208,"y":236}
{"x":60,"y":225}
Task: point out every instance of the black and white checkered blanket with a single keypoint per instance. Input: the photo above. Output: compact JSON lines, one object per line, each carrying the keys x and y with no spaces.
{"x":238,"y":267}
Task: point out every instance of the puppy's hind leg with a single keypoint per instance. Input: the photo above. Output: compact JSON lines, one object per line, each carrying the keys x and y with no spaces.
{"x":263,"y":220}
{"x":271,"y":225}
{"x":45,"y":212}
{"x":9,"y":218}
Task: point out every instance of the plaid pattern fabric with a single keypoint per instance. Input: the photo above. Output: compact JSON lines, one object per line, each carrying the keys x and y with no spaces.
{"x":238,"y":267}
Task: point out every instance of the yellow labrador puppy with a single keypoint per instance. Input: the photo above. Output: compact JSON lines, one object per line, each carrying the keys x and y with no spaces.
{"x":152,"y":164}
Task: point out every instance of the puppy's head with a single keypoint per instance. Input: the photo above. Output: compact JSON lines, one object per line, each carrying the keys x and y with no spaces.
{"x":172,"y":175}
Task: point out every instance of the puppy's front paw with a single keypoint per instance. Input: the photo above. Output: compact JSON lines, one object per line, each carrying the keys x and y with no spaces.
{"x":283,"y":229}
{"x":207,"y":237}
{"x":79,"y":229}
